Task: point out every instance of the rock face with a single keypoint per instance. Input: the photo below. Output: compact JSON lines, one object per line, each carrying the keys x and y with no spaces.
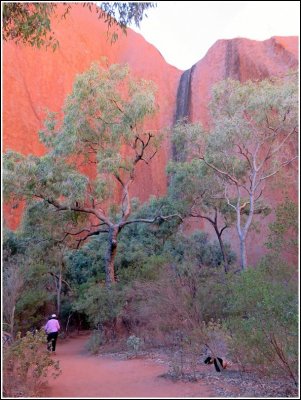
{"x":35,"y":80}
{"x":239,"y":59}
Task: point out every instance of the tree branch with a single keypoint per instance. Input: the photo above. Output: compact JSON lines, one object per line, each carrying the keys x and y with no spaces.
{"x":63,"y":280}
{"x":60,"y":207}
{"x":224,"y":227}
{"x":150,"y":221}
{"x":95,"y":233}
{"x":244,"y":154}
{"x":228,"y":201}
{"x":275,"y":172}
{"x":220,"y":171}
{"x":202,"y":216}
{"x":271,"y":153}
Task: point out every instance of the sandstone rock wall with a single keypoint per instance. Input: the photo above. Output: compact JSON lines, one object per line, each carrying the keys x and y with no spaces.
{"x":35,"y":80}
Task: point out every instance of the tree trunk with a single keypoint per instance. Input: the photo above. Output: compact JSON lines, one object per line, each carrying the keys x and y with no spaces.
{"x":12,"y":321}
{"x":242,"y":233}
{"x":221,"y":244}
{"x":59,"y":290}
{"x":110,"y":256}
{"x":243,"y":253}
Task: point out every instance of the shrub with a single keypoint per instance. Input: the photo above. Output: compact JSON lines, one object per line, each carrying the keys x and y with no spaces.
{"x":95,"y":341}
{"x":26,"y":365}
{"x":134,"y":343}
{"x":263,"y":318}
{"x":102,"y":305}
{"x":179,"y":300}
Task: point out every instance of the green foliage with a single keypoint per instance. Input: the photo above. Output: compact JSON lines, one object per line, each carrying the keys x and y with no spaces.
{"x":15,"y":267}
{"x":101,"y":305}
{"x":95,"y":341}
{"x":187,"y":138}
{"x":87,"y":263}
{"x":25,"y":284}
{"x":124,"y":13}
{"x":195,"y":187}
{"x":140,"y":267}
{"x":263,"y":318}
{"x":255,"y":128}
{"x":12,"y":244}
{"x":43,"y":228}
{"x":103,"y":115}
{"x":31,"y":259}
{"x":244,"y":115}
{"x":29,"y":23}
{"x":27,"y":364}
{"x":141,"y":245}
{"x":103,"y":126}
{"x":159,"y":206}
{"x":134,"y":343}
{"x":110,"y":105}
{"x":32,"y":305}
{"x":41,"y":177}
{"x":284,"y":230}
{"x":196,"y":250}
{"x":205,"y":291}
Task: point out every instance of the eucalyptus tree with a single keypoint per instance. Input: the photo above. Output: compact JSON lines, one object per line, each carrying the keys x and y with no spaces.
{"x":193,"y":183}
{"x":101,"y":133}
{"x":253,"y":137}
{"x":43,"y":232}
{"x":283,"y":234}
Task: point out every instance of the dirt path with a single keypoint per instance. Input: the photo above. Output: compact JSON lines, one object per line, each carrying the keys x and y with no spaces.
{"x":85,"y":375}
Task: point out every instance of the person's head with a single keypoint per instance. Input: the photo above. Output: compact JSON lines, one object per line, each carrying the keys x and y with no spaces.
{"x":53,"y":316}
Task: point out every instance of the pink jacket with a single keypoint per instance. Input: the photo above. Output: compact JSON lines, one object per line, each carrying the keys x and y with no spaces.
{"x":52,"y":326}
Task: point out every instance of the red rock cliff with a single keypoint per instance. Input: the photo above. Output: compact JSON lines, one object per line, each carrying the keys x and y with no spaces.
{"x":35,"y":80}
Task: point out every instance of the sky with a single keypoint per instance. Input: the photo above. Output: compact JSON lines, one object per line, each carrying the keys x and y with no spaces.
{"x":183,"y":31}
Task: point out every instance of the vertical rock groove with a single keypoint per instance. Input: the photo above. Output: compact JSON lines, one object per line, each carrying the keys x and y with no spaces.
{"x":183,"y":104}
{"x":232,"y":61}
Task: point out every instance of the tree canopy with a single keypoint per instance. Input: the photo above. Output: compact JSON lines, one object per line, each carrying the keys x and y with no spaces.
{"x":102,"y":131}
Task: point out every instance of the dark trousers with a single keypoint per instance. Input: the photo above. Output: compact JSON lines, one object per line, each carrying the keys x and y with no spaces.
{"x":51,"y":340}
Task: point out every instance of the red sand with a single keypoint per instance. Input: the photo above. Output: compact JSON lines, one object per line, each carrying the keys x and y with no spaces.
{"x":85,"y":375}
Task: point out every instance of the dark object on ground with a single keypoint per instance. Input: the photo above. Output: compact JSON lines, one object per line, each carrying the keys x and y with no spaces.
{"x":213,"y":360}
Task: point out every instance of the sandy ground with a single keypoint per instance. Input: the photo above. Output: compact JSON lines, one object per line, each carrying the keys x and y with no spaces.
{"x":85,"y":375}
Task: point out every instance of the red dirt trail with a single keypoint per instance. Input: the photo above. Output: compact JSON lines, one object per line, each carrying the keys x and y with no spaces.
{"x":85,"y":375}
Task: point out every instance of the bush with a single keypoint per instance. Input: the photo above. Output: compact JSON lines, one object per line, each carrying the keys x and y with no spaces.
{"x":196,"y":250}
{"x":102,"y":306}
{"x":26,"y":365}
{"x":178,"y":301}
{"x":95,"y":341}
{"x":263,"y":318}
{"x":146,"y":270}
{"x":134,"y":344}
{"x":189,"y":345}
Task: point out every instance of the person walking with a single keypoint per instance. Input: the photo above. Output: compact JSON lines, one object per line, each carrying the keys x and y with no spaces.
{"x":52,"y":329}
